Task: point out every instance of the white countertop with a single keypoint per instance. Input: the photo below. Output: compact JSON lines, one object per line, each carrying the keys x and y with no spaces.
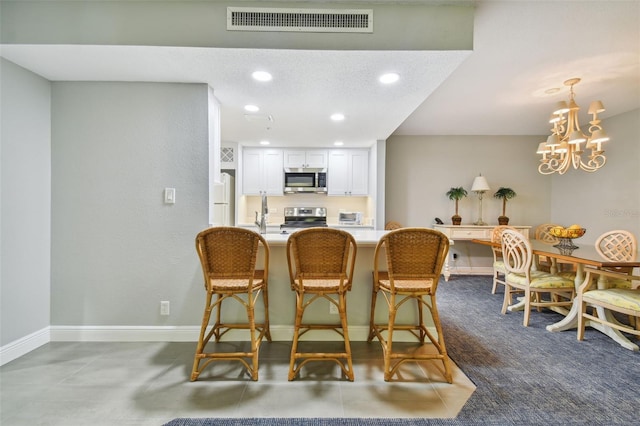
{"x":363,"y":237}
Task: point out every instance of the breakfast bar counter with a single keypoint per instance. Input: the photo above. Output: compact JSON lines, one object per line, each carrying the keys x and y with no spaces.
{"x":363,"y":237}
{"x":282,"y":299}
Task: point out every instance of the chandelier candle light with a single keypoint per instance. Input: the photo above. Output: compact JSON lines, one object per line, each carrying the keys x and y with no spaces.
{"x":563,"y":147}
{"x":480,"y":186}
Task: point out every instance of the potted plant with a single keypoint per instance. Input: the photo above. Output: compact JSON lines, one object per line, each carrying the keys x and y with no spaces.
{"x":456,"y":194}
{"x":504,"y":194}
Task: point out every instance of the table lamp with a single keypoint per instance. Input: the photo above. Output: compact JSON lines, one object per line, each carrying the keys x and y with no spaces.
{"x":480,"y":185}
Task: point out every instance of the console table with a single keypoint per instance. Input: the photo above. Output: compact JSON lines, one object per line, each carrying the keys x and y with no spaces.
{"x":468,"y":233}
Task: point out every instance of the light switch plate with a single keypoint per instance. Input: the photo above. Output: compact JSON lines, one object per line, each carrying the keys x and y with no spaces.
{"x":169,"y":195}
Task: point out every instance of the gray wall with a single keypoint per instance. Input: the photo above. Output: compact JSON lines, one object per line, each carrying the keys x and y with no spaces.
{"x":609,"y":198}
{"x":25,"y":217}
{"x":420,"y":170}
{"x":117,"y":249}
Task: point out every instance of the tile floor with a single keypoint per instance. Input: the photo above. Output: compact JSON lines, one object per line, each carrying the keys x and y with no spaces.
{"x":146,"y":383}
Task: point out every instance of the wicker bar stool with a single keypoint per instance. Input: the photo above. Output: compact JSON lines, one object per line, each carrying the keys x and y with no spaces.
{"x":415,"y":257}
{"x":321,"y":263}
{"x":228,"y":256}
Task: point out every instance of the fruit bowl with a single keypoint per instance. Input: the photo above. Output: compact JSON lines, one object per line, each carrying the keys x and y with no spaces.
{"x":566,"y":235}
{"x":561,"y":232}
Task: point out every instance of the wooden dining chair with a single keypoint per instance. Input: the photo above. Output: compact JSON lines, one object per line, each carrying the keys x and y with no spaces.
{"x":321,"y":263}
{"x":414,"y":260}
{"x":619,"y":245}
{"x":499,"y":270}
{"x":616,"y":246}
{"x":518,"y":260}
{"x":228,"y":256}
{"x":597,"y":292}
{"x":542,"y":263}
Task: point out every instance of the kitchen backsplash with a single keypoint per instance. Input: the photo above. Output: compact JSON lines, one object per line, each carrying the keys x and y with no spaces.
{"x":250,"y":204}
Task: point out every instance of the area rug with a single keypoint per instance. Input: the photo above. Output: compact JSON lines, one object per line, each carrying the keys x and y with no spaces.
{"x":524,"y":375}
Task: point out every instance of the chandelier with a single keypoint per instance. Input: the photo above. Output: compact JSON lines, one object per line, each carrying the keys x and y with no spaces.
{"x":564,"y":147}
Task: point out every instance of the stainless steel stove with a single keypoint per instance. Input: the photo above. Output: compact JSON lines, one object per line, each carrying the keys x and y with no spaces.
{"x":303,"y":217}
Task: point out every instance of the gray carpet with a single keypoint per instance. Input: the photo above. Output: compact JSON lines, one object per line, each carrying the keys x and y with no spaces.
{"x":523,"y":375}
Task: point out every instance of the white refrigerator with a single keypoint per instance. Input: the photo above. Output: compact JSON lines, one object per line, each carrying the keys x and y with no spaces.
{"x":223,"y":200}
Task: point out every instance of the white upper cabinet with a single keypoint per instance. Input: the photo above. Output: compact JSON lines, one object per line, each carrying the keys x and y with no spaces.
{"x":302,"y":159}
{"x":348,"y":172}
{"x":262,"y":171}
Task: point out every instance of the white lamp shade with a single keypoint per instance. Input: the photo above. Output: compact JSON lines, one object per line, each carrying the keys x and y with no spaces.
{"x":480,"y":184}
{"x":561,"y":107}
{"x":596,"y":107}
{"x":563,"y":148}
{"x":553,"y":140}
{"x":576,"y":137}
{"x":599,"y":136}
{"x":543,"y":149}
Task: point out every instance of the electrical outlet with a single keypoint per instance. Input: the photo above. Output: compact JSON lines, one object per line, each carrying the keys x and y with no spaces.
{"x":165,"y":307}
{"x":333,"y":309}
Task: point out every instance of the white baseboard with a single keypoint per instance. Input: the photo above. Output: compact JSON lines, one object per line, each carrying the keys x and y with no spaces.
{"x":471,"y":270}
{"x":108,"y":333}
{"x":24,"y":345}
{"x":279,"y":333}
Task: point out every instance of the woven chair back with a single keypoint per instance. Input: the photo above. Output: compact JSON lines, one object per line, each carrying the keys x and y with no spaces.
{"x":228,"y":252}
{"x":617,"y":246}
{"x":391,"y":225}
{"x":322,"y":253}
{"x":414,"y":253}
{"x":496,"y":234}
{"x":517,"y":252}
{"x":542,"y":233}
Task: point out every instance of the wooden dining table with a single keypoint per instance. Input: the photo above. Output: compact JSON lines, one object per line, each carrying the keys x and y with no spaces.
{"x":584,"y":255}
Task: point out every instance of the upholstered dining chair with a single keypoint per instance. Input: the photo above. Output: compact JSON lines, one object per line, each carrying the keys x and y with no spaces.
{"x":597,"y":292}
{"x":228,"y":256}
{"x":414,"y":260}
{"x":321,"y":263}
{"x":498,"y":262}
{"x":616,"y":246}
{"x":619,"y":245}
{"x":542,"y":233}
{"x":518,"y":259}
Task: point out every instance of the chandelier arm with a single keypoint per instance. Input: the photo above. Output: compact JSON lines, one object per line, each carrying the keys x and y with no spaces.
{"x":544,"y":169}
{"x":596,"y":160}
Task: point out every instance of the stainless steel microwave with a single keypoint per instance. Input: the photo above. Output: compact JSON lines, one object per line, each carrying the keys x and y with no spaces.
{"x":305,"y":180}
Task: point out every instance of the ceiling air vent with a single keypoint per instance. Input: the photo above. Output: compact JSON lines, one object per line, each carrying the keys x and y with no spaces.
{"x":301,"y":20}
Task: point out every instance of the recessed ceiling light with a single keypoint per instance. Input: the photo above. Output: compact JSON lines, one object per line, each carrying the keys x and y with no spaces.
{"x":264,"y":142}
{"x":389,"y":78}
{"x":261,"y":76}
{"x":338,"y":143}
{"x":337,"y":117}
{"x":251,"y":108}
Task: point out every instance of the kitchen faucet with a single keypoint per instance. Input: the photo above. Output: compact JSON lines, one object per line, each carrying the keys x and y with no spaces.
{"x":262,"y":224}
